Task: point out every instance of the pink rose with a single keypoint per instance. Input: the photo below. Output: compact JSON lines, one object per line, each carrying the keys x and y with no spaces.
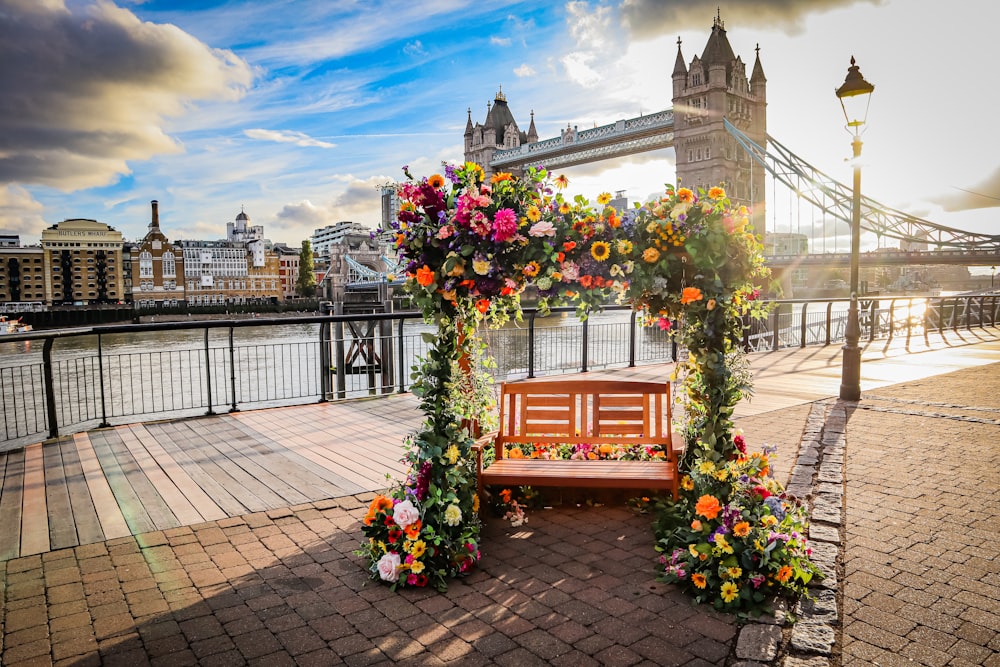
{"x":388,"y":567}
{"x":404,"y":514}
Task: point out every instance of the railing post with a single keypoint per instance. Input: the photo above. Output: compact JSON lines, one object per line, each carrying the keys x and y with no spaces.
{"x":892,"y":318}
{"x":909,"y":318}
{"x":100,"y":379}
{"x":968,"y":313}
{"x":50,"y":388}
{"x":774,"y":321}
{"x":631,"y":340}
{"x":232,"y":369}
{"x":586,"y":344}
{"x":802,"y":327}
{"x":872,"y":320}
{"x":401,"y":346}
{"x":324,"y":361}
{"x":338,"y":343}
{"x":673,"y":344}
{"x":746,"y":333}
{"x":208,"y":374}
{"x":385,"y":345}
{"x":829,"y":320}
{"x":531,"y":344}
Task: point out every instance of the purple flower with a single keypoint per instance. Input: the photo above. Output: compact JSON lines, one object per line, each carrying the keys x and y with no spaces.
{"x":449,"y":173}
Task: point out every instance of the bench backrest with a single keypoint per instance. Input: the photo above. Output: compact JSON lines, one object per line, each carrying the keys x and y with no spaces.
{"x":585,"y":411}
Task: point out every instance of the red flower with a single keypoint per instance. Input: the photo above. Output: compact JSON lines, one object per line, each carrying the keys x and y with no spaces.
{"x":762,"y":492}
{"x":483,"y":305}
{"x":569,"y":245}
{"x":586,"y":281}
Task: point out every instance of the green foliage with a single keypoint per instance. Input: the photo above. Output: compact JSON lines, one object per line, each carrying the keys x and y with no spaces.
{"x":305,"y":282}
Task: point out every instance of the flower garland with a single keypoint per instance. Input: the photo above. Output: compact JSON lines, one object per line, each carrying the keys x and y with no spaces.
{"x":471,"y":246}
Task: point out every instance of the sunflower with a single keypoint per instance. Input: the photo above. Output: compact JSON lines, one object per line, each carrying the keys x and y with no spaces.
{"x":436,"y":181}
{"x":600,"y":250}
{"x":604,"y":198}
{"x":534,"y":214}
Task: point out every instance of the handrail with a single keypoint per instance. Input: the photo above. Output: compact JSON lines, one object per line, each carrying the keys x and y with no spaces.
{"x":56,"y":394}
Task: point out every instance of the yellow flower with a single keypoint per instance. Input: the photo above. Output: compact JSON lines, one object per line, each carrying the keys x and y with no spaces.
{"x":418,"y":548}
{"x":734,"y":572}
{"x":534,"y":214}
{"x":500,"y":177}
{"x":416,"y":567}
{"x":604,"y":198}
{"x":687,"y":483}
{"x":706,"y":468}
{"x":475,"y":503}
{"x":624,"y":247}
{"x":564,"y":208}
{"x":561,"y":181}
{"x":692,"y":550}
{"x":699,"y":580}
{"x":481,"y":266}
{"x":651,"y":255}
{"x":600,"y":250}
{"x":531,"y":269}
{"x":722,"y":544}
{"x":476,"y":170}
{"x":716,"y":193}
{"x":730,"y":591}
{"x":452,"y":454}
{"x":722,"y":474}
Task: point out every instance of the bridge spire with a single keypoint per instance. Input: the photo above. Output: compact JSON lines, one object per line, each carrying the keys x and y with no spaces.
{"x":679,"y":66}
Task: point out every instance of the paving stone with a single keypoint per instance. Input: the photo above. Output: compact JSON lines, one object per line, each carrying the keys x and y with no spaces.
{"x":811,"y":637}
{"x":758,"y":642}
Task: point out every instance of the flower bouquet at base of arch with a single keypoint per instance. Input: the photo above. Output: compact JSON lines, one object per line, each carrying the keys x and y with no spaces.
{"x":735,"y":539}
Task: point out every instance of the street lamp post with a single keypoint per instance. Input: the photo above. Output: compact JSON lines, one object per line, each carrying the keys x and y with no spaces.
{"x":854,"y":96}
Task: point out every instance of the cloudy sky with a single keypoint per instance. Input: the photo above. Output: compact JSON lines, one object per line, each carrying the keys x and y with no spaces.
{"x":298,"y":109}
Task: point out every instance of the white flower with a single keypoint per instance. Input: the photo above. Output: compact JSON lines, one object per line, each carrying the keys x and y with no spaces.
{"x":404,"y":514}
{"x":453,"y":515}
{"x":388,"y":567}
{"x":542,"y":228}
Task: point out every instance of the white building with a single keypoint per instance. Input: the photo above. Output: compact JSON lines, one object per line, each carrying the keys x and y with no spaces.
{"x":323,"y":238}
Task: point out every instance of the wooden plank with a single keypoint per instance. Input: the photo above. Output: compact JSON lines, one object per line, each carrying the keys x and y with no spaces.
{"x":34,"y":517}
{"x":88,"y":524}
{"x":222,"y":488}
{"x":10,"y":505}
{"x":248,"y":489}
{"x":195,"y":496}
{"x":295,"y":469}
{"x":125,"y":496}
{"x":182,"y":511}
{"x":588,"y":474}
{"x":113,"y":523}
{"x":62,"y":528}
{"x":153,"y":504}
{"x":235,"y":445}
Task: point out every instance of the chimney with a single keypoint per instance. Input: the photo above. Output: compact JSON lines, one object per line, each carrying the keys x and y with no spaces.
{"x":156,"y":214}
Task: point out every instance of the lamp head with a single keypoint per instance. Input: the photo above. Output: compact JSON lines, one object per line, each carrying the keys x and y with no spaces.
{"x":855,"y":95}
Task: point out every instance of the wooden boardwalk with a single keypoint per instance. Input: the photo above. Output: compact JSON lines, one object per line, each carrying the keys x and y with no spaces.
{"x":139,"y":478}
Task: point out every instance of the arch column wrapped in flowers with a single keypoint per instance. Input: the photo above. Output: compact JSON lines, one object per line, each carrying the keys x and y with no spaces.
{"x":471,"y":247}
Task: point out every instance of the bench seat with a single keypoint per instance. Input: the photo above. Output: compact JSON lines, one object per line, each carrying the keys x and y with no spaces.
{"x":582,"y":412}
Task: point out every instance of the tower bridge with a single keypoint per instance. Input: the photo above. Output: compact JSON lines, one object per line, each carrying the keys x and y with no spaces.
{"x":718,"y":130}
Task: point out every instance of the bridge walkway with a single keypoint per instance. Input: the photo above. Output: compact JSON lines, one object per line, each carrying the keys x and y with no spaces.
{"x":139,"y":478}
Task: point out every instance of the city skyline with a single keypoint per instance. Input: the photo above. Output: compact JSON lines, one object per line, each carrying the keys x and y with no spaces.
{"x":296,"y":111}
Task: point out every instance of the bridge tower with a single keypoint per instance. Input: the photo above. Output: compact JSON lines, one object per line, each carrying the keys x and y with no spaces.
{"x":712,"y":87}
{"x":498,"y":132}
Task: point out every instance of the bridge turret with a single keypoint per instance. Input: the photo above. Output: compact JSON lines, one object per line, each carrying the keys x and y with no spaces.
{"x":680,"y":71}
{"x":532,"y":132}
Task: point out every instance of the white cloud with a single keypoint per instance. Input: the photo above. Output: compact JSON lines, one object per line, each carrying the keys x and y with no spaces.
{"x":88,"y":89}
{"x":578,"y":69}
{"x":524,"y":70}
{"x":20,"y":213}
{"x":500,"y":41}
{"x":415,"y":48}
{"x":287,"y":137}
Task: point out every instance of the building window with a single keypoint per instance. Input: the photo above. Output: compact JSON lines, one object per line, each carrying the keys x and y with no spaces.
{"x":146,"y":264}
{"x":169,"y":266}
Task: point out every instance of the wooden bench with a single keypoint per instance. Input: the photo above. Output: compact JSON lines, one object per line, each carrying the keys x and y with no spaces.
{"x":572,"y":412}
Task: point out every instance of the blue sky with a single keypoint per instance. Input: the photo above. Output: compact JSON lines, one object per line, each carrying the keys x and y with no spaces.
{"x":298,"y":109}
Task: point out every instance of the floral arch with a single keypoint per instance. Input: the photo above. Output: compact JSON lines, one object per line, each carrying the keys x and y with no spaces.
{"x":471,"y":246}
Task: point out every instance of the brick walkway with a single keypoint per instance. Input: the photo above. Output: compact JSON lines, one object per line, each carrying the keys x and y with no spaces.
{"x":921,"y":571}
{"x":922,"y":560}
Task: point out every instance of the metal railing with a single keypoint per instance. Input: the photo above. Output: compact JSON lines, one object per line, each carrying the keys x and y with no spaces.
{"x":96,"y":377}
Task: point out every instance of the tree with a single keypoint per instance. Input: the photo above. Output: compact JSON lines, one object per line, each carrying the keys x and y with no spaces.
{"x":305,"y":283}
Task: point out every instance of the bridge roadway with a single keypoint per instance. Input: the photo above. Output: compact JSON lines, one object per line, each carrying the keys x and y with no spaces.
{"x":984,"y":257}
{"x":230,"y":539}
